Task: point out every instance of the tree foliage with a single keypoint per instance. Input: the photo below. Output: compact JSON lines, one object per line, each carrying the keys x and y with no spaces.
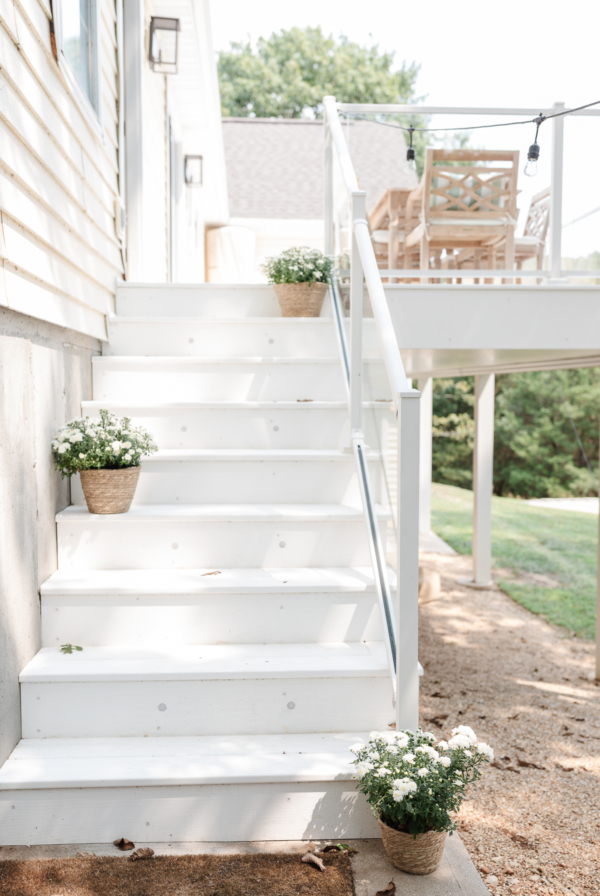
{"x":538,"y":419}
{"x":289,"y":73}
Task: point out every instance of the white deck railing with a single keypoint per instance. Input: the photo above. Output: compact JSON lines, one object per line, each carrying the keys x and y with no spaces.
{"x":555,"y":273}
{"x":400,"y":616}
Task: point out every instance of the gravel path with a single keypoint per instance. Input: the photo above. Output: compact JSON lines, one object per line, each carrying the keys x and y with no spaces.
{"x":532,"y":824}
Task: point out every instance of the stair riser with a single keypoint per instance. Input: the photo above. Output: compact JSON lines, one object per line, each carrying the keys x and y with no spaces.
{"x":162,"y":621}
{"x":250,"y":338}
{"x":303,"y":338}
{"x":291,"y":811}
{"x":246,"y":482}
{"x":226,"y":707}
{"x":211,"y":545}
{"x":170,"y":381}
{"x":206,"y":302}
{"x":302,"y":427}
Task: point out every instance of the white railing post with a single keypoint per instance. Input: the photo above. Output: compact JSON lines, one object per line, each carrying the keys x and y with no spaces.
{"x":556,"y":191}
{"x":328,"y":241}
{"x":357,"y":212}
{"x":425,"y":386}
{"x":407,"y":606}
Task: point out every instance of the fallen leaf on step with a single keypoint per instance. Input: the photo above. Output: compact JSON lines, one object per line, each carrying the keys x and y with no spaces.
{"x":216,"y":572}
{"x":312,"y":859}
{"x":124,"y":844}
{"x":303,"y":399}
{"x":392,"y":725}
{"x":69,"y":648}
{"x":144,"y":853}
{"x":389,"y":890}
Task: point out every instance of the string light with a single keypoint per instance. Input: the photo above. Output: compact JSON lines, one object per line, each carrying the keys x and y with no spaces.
{"x":411,"y":163}
{"x":533,"y":153}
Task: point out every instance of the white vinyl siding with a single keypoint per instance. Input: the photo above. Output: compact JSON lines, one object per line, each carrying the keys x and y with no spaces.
{"x":58,"y":178}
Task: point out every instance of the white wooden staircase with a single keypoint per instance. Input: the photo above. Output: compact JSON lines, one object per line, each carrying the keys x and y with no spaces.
{"x":210,"y":706}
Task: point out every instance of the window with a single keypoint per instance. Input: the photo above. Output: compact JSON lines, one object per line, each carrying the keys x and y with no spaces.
{"x":78,"y":48}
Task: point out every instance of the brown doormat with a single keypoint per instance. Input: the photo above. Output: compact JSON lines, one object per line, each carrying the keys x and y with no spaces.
{"x":203,"y":875}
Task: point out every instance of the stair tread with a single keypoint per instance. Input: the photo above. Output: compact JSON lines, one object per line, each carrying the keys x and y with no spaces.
{"x":294,"y":323}
{"x":255,"y":454}
{"x":190,"y":361}
{"x":208,"y":661}
{"x":196,"y":581}
{"x":140,"y":761}
{"x":275,"y":404}
{"x":220,"y":513}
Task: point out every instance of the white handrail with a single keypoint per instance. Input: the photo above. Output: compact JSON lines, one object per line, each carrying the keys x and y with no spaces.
{"x":341,"y":147}
{"x":402,"y":639}
{"x":412,"y":109}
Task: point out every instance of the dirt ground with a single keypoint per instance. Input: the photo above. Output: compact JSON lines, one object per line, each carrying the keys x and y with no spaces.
{"x":532,"y":824}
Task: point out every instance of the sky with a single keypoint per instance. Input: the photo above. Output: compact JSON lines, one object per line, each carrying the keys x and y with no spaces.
{"x":518,"y":53}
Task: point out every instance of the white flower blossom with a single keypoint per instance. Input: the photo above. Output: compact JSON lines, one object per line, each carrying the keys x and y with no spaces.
{"x":393,"y":750}
{"x":382,"y":772}
{"x":64,"y":447}
{"x":423,"y":772}
{"x":409,"y":757}
{"x":442,"y":745}
{"x":459,"y":740}
{"x":401,"y":739}
{"x":116,"y":447}
{"x":82,"y":456}
{"x":77,"y":437}
{"x":356,"y":748}
{"x":429,"y":751}
{"x":446,"y":761}
{"x":465,"y":731}
{"x":485,"y":750}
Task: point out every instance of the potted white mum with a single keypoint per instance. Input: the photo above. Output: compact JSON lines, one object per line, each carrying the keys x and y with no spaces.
{"x":107,"y":454}
{"x":300,"y":277}
{"x":413,"y":785}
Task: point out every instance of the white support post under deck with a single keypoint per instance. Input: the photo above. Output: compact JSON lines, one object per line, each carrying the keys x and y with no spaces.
{"x":483,"y":473}
{"x":407,"y":563}
{"x":425,"y":387}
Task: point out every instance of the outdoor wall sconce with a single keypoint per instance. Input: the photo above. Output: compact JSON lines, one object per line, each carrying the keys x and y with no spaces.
{"x":192,"y":168}
{"x":162,"y":46}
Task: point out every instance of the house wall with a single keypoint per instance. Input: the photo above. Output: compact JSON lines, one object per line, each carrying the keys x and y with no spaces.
{"x":45,"y":373}
{"x":58,"y":177}
{"x":59,"y":260}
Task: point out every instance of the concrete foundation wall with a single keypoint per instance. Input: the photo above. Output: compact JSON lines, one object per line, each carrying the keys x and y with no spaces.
{"x":45,"y":372}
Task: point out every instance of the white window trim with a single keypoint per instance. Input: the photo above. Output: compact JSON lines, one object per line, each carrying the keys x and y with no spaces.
{"x":94,"y":118}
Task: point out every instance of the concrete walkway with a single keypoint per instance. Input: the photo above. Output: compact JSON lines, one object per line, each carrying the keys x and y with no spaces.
{"x":581,"y":505}
{"x":456,"y":876}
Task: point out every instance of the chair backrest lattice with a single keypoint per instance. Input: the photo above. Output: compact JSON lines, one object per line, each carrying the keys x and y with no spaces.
{"x":538,"y":216}
{"x":468,"y":183}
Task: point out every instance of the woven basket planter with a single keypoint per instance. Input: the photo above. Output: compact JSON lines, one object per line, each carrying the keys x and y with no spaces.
{"x":300,"y":299}
{"x":109,"y":491}
{"x":420,"y":856}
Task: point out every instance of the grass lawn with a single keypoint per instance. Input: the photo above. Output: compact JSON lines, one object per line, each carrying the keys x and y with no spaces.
{"x":558,"y":546}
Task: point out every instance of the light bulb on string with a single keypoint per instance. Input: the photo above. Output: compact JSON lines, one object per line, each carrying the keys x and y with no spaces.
{"x":533,"y":154}
{"x":411,"y":164}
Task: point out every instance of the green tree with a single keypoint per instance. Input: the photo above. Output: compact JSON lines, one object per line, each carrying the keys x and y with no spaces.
{"x":540,"y":420}
{"x":290,"y":72}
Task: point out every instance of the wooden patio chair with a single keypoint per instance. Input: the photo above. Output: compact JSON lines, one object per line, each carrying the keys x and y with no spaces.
{"x":388,"y":226}
{"x":467,"y":200}
{"x":531,"y":245}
